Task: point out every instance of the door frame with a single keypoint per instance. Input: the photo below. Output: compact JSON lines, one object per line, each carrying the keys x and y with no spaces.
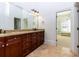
{"x":56,"y":25}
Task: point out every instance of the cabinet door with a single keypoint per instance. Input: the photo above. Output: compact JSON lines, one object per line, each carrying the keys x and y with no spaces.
{"x":34,"y":40}
{"x":2,"y":47}
{"x":38,"y":39}
{"x":26,"y":44}
{"x":13,"y":47}
{"x":41,"y":37}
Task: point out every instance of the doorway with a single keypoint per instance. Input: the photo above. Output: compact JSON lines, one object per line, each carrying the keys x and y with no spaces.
{"x":63,"y":28}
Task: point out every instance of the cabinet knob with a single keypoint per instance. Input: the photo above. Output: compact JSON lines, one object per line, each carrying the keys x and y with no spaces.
{"x":7,"y":44}
{"x":14,"y":38}
{"x":3,"y":46}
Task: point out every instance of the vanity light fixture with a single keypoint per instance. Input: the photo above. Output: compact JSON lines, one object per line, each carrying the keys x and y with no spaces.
{"x":35,"y":12}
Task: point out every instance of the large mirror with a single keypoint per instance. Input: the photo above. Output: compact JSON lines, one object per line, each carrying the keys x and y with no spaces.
{"x":14,"y":17}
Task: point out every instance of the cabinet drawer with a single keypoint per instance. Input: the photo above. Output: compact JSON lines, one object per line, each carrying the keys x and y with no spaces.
{"x":12,"y":38}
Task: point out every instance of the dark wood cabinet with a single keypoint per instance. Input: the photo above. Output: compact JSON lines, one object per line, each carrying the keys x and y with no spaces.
{"x":20,"y":45}
{"x":13,"y":46}
{"x":40,"y":38}
{"x":27,"y":44}
{"x":2,"y":47}
{"x":34,"y":41}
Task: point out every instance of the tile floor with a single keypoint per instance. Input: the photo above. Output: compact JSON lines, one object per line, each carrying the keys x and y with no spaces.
{"x":63,"y":41}
{"x":47,"y":50}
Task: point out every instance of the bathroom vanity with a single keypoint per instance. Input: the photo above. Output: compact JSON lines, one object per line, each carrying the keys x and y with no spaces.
{"x":20,"y":43}
{"x":20,"y":33}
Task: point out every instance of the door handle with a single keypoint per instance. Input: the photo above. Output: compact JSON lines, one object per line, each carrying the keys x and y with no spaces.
{"x":77,"y":28}
{"x":77,"y":46}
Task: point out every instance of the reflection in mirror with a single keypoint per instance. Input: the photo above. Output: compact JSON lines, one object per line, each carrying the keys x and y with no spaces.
{"x":14,"y":17}
{"x":17,"y":23}
{"x":25,"y":23}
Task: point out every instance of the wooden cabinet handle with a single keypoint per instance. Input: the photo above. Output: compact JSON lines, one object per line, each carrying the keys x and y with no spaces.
{"x":7,"y":44}
{"x":3,"y":45}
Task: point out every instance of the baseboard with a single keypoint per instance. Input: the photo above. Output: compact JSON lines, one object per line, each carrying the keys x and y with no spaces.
{"x":50,"y":42}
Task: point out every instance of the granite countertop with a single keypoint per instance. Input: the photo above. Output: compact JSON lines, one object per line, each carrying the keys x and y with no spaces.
{"x":18,"y":32}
